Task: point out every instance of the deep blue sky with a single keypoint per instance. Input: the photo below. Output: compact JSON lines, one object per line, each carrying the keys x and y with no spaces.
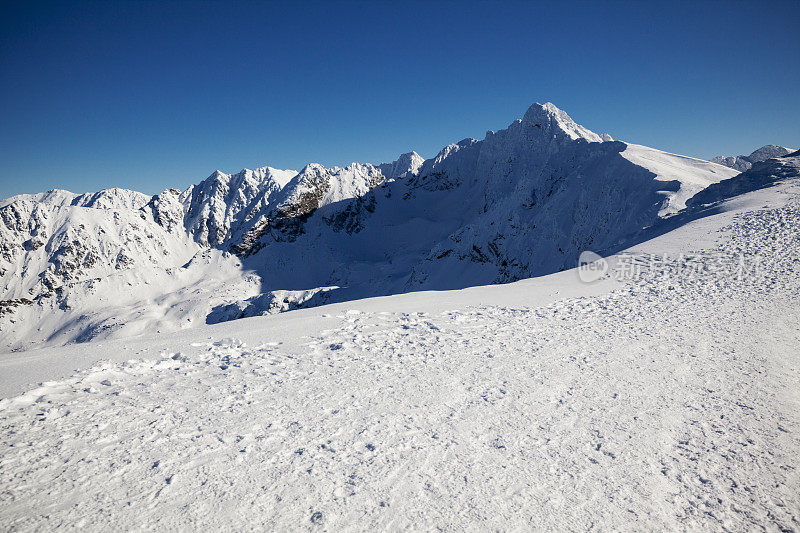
{"x":149,"y":95}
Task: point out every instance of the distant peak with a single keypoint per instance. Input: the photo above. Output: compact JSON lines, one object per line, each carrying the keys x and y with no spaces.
{"x":551,"y":108}
{"x":411,"y":157}
{"x":744,"y":162}
{"x":217,"y":175}
{"x":767,"y":152}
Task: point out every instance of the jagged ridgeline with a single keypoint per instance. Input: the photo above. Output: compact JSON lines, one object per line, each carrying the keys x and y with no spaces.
{"x":524,"y":201}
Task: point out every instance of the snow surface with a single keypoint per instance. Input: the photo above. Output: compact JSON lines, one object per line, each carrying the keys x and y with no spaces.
{"x":659,"y":402}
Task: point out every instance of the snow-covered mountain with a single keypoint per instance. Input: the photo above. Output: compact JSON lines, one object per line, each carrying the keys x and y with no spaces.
{"x":744,"y":162}
{"x":49,"y":240}
{"x":524,"y":201}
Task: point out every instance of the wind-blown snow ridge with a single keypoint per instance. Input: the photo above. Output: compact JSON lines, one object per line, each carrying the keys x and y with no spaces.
{"x":694,"y":175}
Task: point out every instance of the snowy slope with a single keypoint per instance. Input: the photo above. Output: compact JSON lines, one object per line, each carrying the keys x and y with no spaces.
{"x":68,"y":268}
{"x":662,"y":401}
{"x":692,"y":174}
{"x":51,"y":239}
{"x":79,"y":267}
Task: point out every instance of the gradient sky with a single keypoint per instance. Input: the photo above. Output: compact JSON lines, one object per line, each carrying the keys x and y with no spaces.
{"x":150,"y":95}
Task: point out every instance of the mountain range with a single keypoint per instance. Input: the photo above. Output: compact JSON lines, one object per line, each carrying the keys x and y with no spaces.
{"x":524,"y":201}
{"x":745,"y":162}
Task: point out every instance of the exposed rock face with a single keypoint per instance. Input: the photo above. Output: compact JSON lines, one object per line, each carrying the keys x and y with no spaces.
{"x":769,"y":151}
{"x":745,"y":162}
{"x":314,"y":187}
{"x":167,"y":209}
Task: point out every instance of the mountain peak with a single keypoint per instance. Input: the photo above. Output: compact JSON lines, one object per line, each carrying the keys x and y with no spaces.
{"x":547,"y":115}
{"x":409,"y":156}
{"x":406,"y":164}
{"x":768,"y":152}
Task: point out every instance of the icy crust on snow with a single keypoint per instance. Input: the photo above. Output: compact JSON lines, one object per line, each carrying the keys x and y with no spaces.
{"x":668,"y":404}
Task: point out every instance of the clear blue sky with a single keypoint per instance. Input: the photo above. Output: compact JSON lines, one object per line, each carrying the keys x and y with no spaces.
{"x":149,"y":95}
